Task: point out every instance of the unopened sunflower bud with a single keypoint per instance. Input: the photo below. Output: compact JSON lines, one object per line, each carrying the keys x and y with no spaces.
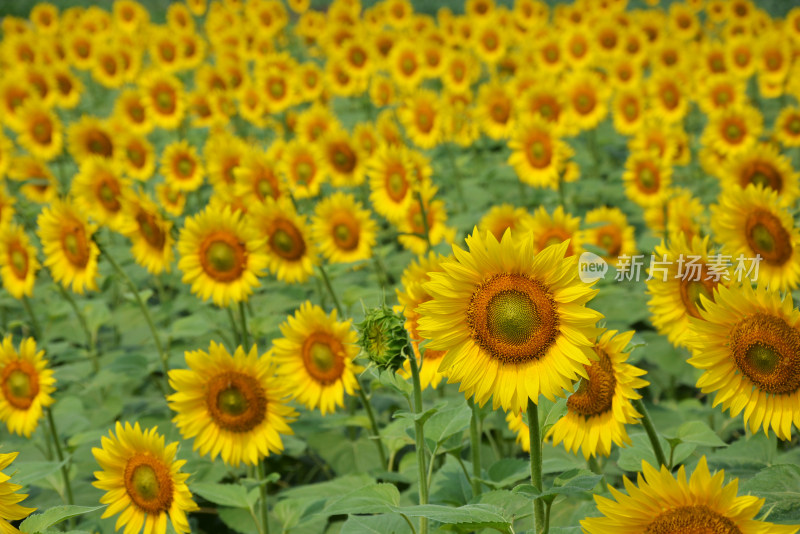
{"x":384,"y":338}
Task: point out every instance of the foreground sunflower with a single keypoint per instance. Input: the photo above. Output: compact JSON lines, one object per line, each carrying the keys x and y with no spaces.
{"x":515,"y":325}
{"x":25,"y":386}
{"x":315,"y":358}
{"x":748,"y":343}
{"x":231,"y":405}
{"x":220,"y":256}
{"x":600,"y":407}
{"x":9,"y":499}
{"x":661,"y":503}
{"x":142,"y":480}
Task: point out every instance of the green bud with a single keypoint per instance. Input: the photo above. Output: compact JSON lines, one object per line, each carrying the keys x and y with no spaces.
{"x":383,"y":338}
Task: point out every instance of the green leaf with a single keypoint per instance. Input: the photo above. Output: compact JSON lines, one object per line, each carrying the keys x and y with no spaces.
{"x":506,"y":472}
{"x":573,"y":482}
{"x":231,"y":495}
{"x":448,"y":421}
{"x":41,"y":522}
{"x":395,"y":382}
{"x":469,"y":517}
{"x":238,"y":519}
{"x":779,"y":485}
{"x":422,"y":417}
{"x":376,"y":524}
{"x":630,"y":458}
{"x":697,"y":433}
{"x":372,"y":499}
{"x":28,"y":472}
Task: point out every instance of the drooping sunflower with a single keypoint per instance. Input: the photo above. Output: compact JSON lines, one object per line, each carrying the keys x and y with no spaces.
{"x":232,"y":405}
{"x":514,"y":323}
{"x":343,"y":229}
{"x":290,"y":252}
{"x":12,"y":510}
{"x":70,"y":253}
{"x":610,"y":231}
{"x":142,"y":479}
{"x":150,"y":233}
{"x":600,"y":406}
{"x":504,"y":216}
{"x":647,"y":178}
{"x":752,"y":222}
{"x":25,"y":386}
{"x":537,"y":155}
{"x":99,"y":191}
{"x":315,"y":358}
{"x":221,"y":256}
{"x":661,"y":503}
{"x":18,"y":262}
{"x":181,"y":167}
{"x":560,"y":227}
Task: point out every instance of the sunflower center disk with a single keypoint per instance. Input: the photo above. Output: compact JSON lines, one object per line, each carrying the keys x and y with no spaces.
{"x":345,"y":237}
{"x":145,"y":482}
{"x":767,"y":351}
{"x":75,"y":247}
{"x":232,"y":402}
{"x":148,"y":483}
{"x":794,"y":126}
{"x":236,"y":401}
{"x":692,"y":520}
{"x":767,"y":237}
{"x":690,"y":291}
{"x":595,"y":395}
{"x":221,"y":256}
{"x":19,"y":384}
{"x":264,"y":189}
{"x":19,"y":262}
{"x":323,"y":357}
{"x":185,"y":167}
{"x":304,"y":172}
{"x":513,"y":318}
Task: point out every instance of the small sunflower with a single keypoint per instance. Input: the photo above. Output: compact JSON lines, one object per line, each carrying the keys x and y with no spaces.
{"x":302,"y":169}
{"x":258,"y":177}
{"x":422,"y":118}
{"x":610,"y":231}
{"x":555,"y":229}
{"x":150,"y":233}
{"x":588,"y":97}
{"x":751,"y":222}
{"x":142,"y":479}
{"x":99,"y":190}
{"x":514,"y":323}
{"x":733,"y":130}
{"x":223,"y":153}
{"x":129,"y":109}
{"x":647,"y":178}
{"x":391,"y":182}
{"x":231,"y":405}
{"x":495,"y":110}
{"x":537,"y":155}
{"x":315,"y":358}
{"x":181,"y":167}
{"x":343,"y":159}
{"x":164,"y":99}
{"x":138,"y":156}
{"x":90,"y":137}
{"x":762,"y":166}
{"x":221,"y":256}
{"x":25,"y":386}
{"x":343,"y":229}
{"x":172,"y":200}
{"x":661,"y":503}
{"x":500,"y":218}
{"x":40,"y":131}
{"x":39,"y":183}
{"x":18,"y":262}
{"x":70,"y":252}
{"x":787,"y":127}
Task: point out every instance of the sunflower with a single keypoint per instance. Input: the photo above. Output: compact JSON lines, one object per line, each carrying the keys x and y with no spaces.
{"x":391,"y":182}
{"x":343,"y":159}
{"x":733,"y":130}
{"x":647,"y":178}
{"x":70,"y":252}
{"x":588,"y":97}
{"x":609,"y":230}
{"x":138,"y":156}
{"x":223,"y":153}
{"x":276,"y":89}
{"x":666,"y":98}
{"x":548,"y":54}
{"x":181,"y":167}
{"x":257,"y":176}
{"x":25,"y":386}
{"x":149,"y":232}
{"x":721,"y":91}
{"x":40,"y":131}
{"x":142,"y":479}
{"x":752,"y":222}
{"x":502,"y":217}
{"x":290,"y":252}
{"x":495,"y":110}
{"x":315,"y":358}
{"x":414,"y":294}
{"x":685,"y":216}
{"x":172,"y":200}
{"x":787,"y":127}
{"x":537,"y":155}
{"x":490,"y":42}
{"x":221,"y":256}
{"x":555,"y":229}
{"x":514,"y":323}
{"x":762,"y":166}
{"x":108,"y":67}
{"x":164,"y":99}
{"x":547,"y":100}
{"x":18,"y":262}
{"x":130,"y":110}
{"x":421,"y":118}
{"x":12,"y":510}
{"x":662,"y":503}
{"x":406,"y":65}
{"x":13,"y":93}
{"x":343,"y":229}
{"x":413,"y":227}
{"x":40,"y":185}
{"x":231,"y":405}
{"x":460,"y":71}
{"x":301,"y":168}
{"x":99,"y":191}
{"x":627,"y":111}
{"x":90,"y":137}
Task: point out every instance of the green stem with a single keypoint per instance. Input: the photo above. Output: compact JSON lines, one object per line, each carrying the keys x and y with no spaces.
{"x":60,"y":456}
{"x":420,"y":442}
{"x":245,"y":335}
{"x":475,"y":447}
{"x":536,"y":464}
{"x":37,"y":330}
{"x":332,"y":293}
{"x":262,"y":491}
{"x":376,"y":436}
{"x":457,"y":175}
{"x":651,"y":431}
{"x":561,"y":190}
{"x":424,"y":216}
{"x":145,"y":312}
{"x":546,"y":528}
{"x":237,"y":338}
{"x":84,"y":326}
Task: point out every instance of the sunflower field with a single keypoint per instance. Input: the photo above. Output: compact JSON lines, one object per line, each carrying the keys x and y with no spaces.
{"x":394,"y":267}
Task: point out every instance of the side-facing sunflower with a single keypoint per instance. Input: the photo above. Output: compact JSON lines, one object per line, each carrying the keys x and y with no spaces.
{"x":150,"y":233}
{"x":231,"y":405}
{"x":315,"y":358}
{"x":343,"y":229}
{"x":660,"y":503}
{"x":748,"y":343}
{"x":142,"y":479}
{"x":514,"y":323}
{"x":18,"y":262}
{"x":25,"y":386}
{"x":70,"y":253}
{"x":751,"y":222}
{"x":221,"y":256}
{"x":600,"y":407}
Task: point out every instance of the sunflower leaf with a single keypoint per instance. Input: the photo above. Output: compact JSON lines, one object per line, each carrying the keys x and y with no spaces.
{"x":470,"y":517}
{"x":376,"y":524}
{"x":779,"y":485}
{"x":40,"y":522}
{"x":231,"y":495}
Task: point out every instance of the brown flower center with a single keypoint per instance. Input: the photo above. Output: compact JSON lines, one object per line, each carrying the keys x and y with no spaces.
{"x":767,"y":351}
{"x":148,"y":483}
{"x":20,"y":384}
{"x":286,"y":240}
{"x":595,"y":395}
{"x":222,"y":256}
{"x":766,"y":236}
{"x":323,"y":356}
{"x":699,"y":519}
{"x":236,"y":401}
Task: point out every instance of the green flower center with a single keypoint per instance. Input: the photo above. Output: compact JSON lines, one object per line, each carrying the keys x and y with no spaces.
{"x":283,"y":241}
{"x":145,"y":482}
{"x":185,"y":166}
{"x":322,"y":356}
{"x":511,"y":317}
{"x":19,"y":384}
{"x":221,"y":256}
{"x":232,"y":402}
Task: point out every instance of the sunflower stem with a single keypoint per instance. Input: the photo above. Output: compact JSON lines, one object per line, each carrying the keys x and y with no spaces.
{"x":376,"y":436}
{"x":60,"y":456}
{"x":262,"y":491}
{"x":536,"y":464}
{"x":237,"y":338}
{"x":424,"y":217}
{"x":332,"y":293}
{"x":37,"y":330}
{"x":245,"y":335}
{"x":420,"y":443}
{"x":84,"y":326}
{"x":457,"y":175}
{"x":145,"y":312}
{"x":475,"y":447}
{"x":561,"y":191}
{"x":651,"y":431}
{"x":665,"y":209}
